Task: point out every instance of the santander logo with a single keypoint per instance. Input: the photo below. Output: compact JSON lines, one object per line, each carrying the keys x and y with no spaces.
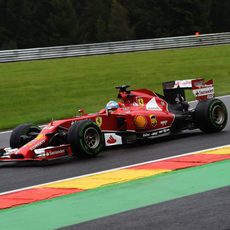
{"x":111,"y":140}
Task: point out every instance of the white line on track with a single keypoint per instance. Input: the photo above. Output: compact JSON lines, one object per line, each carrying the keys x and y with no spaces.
{"x":114,"y":169}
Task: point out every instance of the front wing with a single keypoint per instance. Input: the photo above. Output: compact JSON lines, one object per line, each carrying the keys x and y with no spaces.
{"x":42,"y":154}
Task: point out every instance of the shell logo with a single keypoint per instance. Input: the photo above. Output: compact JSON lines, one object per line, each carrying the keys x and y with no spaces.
{"x":140,"y":122}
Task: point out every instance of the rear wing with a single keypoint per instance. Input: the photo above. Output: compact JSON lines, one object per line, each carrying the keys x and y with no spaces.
{"x":174,"y":91}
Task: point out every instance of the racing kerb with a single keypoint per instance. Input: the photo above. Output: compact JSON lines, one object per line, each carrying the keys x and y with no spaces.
{"x":105,"y":178}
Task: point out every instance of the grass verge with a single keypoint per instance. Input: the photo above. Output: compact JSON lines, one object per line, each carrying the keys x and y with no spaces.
{"x":38,"y":91}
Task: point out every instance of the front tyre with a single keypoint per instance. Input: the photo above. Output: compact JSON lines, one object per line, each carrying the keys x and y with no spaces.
{"x":22,"y":134}
{"x":211,"y":115}
{"x":85,"y":138}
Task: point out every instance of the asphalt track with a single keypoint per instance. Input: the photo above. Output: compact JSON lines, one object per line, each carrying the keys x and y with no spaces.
{"x":18,"y":176}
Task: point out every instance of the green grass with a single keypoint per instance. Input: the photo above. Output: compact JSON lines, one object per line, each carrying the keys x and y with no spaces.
{"x":38,"y":91}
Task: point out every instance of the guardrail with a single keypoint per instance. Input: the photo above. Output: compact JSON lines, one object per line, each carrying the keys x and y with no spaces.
{"x":113,"y":47}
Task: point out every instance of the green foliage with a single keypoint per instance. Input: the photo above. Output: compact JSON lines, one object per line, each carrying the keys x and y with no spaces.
{"x":62,"y":23}
{"x":37,"y":91}
{"x":30,"y":23}
{"x":118,"y":27}
{"x":220,"y":15}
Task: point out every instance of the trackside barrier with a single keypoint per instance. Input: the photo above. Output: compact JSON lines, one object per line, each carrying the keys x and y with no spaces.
{"x":114,"y":47}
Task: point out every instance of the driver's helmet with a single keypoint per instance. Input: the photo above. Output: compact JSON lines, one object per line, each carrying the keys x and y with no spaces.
{"x":112,"y":105}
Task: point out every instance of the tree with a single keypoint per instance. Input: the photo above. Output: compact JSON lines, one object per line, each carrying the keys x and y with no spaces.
{"x":62,"y":23}
{"x":220,"y":15}
{"x":31,"y":23}
{"x":8,"y":26}
{"x":160,"y":18}
{"x":94,"y":20}
{"x":189,"y":16}
{"x":119,"y":27}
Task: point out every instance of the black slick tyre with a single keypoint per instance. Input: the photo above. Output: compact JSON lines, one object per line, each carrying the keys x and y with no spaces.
{"x":85,"y":138}
{"x":22,"y":134}
{"x":211,"y":115}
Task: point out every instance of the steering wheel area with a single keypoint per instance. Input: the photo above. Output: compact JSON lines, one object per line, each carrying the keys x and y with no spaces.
{"x":123,"y":88}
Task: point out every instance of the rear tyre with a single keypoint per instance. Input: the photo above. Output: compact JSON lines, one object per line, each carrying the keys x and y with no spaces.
{"x":211,"y":115}
{"x":85,"y":138}
{"x":22,"y":134}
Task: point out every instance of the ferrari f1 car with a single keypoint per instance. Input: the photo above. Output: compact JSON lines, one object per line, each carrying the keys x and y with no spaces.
{"x":138,"y":114}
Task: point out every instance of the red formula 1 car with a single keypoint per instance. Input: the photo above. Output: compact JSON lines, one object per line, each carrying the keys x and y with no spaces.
{"x":139,"y":114}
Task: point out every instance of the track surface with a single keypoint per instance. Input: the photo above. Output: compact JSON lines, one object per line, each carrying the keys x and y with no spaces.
{"x":207,"y":210}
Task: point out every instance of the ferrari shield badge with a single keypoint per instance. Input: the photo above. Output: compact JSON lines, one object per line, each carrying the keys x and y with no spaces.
{"x":140,"y":101}
{"x":99,"y":121}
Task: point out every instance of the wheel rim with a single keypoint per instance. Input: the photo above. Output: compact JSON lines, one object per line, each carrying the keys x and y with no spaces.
{"x":218,"y":115}
{"x":92,"y":138}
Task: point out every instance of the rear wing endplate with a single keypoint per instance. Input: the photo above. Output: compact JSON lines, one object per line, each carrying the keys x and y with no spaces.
{"x":202,"y":90}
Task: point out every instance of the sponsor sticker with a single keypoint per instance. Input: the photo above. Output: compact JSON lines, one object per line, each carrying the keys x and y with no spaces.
{"x":37,"y":145}
{"x":140,"y":122}
{"x":203,"y":91}
{"x":164,"y":123}
{"x":153,"y":120}
{"x":183,"y":84}
{"x":55,"y":152}
{"x":156,"y":133}
{"x":112,"y":139}
{"x":152,"y":105}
